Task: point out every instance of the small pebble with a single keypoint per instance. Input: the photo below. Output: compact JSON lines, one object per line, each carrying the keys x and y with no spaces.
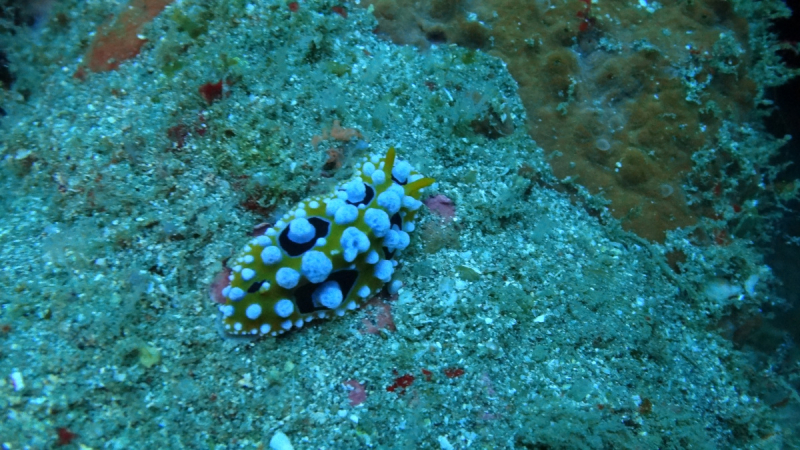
{"x":280,"y":441}
{"x":17,"y":381}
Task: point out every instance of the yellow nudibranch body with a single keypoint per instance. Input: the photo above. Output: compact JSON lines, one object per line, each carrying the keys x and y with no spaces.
{"x":328,"y":255}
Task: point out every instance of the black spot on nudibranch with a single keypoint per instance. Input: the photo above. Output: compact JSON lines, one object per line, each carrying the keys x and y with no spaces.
{"x":368,"y":196}
{"x":396,"y":221}
{"x":321,"y":228}
{"x":302,"y":296}
{"x":254,"y":287}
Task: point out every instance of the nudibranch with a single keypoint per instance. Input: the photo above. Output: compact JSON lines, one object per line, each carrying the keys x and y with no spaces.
{"x":328,"y":255}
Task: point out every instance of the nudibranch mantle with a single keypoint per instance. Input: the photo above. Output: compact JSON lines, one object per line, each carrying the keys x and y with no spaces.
{"x":328,"y":255}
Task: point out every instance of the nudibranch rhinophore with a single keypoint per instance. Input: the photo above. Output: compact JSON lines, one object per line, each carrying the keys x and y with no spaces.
{"x":328,"y":255}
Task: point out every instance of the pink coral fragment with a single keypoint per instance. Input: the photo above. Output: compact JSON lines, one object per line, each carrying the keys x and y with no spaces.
{"x":442,"y":206}
{"x":218,"y":284}
{"x":358,"y":394}
{"x":382,"y":316}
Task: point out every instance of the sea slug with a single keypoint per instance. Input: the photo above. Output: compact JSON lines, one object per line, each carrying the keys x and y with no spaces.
{"x":328,"y":255}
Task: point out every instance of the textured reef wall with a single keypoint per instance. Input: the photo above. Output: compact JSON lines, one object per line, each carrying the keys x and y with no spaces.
{"x":623,"y":95}
{"x":144,"y":143}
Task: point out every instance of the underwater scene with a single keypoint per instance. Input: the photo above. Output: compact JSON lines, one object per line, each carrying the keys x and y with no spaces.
{"x":397,"y":224}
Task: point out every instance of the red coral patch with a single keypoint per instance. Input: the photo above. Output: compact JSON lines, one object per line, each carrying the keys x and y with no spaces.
{"x":401,"y":383}
{"x":453,"y":372}
{"x":211,"y":91}
{"x":118,"y":40}
{"x":65,"y":436}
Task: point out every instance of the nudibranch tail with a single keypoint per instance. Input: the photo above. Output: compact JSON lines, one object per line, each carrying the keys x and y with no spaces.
{"x":420,"y":184}
{"x":328,"y":255}
{"x":389,"y":158}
